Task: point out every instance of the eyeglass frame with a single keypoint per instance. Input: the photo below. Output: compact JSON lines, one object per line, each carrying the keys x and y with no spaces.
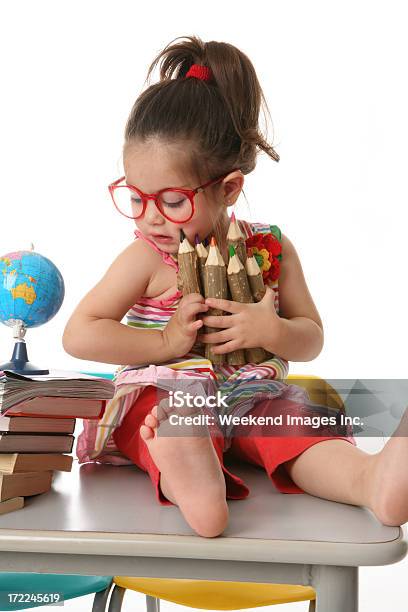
{"x":190,"y":193}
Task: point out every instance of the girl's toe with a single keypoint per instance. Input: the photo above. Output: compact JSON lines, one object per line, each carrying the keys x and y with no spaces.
{"x":151,"y":421}
{"x":146,"y":433}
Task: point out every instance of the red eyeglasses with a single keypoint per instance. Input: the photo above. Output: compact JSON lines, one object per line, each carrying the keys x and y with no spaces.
{"x":176,"y":205}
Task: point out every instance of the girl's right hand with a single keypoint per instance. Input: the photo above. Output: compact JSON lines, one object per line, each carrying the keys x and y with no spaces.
{"x":180,"y":332}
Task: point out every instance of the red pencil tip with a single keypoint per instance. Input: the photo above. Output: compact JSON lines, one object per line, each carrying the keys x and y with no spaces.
{"x":213,"y":241}
{"x":232,"y":217}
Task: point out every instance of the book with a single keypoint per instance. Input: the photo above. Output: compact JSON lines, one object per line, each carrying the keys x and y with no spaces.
{"x":14,"y":503}
{"x":24,"y":484}
{"x":35,"y":443}
{"x":58,"y":407}
{"x":10,"y":463}
{"x":36,"y":424}
{"x":60,"y":385}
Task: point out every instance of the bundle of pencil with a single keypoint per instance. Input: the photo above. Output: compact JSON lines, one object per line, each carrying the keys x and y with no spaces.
{"x":215,"y":286}
{"x":188,"y":278}
{"x":236,"y":239}
{"x":241,"y":292}
{"x":202,"y":255}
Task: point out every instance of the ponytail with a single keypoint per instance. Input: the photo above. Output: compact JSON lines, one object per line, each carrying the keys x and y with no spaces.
{"x":218,"y":119}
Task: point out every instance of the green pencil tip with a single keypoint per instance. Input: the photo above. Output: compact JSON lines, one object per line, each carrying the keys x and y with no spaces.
{"x":231,"y":250}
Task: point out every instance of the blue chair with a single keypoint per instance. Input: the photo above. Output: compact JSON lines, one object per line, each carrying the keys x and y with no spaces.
{"x":19,"y":591}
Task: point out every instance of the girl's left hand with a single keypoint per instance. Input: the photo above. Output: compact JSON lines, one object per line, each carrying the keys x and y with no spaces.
{"x":248,"y":325}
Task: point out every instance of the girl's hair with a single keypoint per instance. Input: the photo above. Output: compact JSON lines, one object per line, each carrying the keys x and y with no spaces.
{"x":215,"y":122}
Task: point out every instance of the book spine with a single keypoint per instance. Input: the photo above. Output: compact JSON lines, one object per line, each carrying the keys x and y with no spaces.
{"x":16,"y":411}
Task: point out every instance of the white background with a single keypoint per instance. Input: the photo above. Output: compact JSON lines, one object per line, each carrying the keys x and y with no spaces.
{"x":334,"y":76}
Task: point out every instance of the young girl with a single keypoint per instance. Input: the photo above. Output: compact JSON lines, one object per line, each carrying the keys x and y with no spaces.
{"x":189,"y":141}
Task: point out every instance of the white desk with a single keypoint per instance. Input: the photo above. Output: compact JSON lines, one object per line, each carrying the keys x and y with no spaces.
{"x":105,"y":520}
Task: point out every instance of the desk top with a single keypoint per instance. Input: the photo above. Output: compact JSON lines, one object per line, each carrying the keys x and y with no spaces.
{"x":113,"y":510}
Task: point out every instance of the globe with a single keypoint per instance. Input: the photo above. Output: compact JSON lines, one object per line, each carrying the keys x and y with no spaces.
{"x":31,"y":289}
{"x":31,"y":293}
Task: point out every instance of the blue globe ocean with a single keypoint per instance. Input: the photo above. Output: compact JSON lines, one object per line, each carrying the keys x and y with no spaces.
{"x":31,"y":288}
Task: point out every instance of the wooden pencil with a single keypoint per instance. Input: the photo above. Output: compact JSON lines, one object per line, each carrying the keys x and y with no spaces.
{"x":188,"y":279}
{"x":202,"y":255}
{"x":236,"y":357}
{"x":256,"y":283}
{"x":241,"y":292}
{"x":255,"y":278}
{"x":257,"y":286}
{"x":237,"y":279}
{"x":215,"y":286}
{"x":234,"y":273}
{"x":236,"y":239}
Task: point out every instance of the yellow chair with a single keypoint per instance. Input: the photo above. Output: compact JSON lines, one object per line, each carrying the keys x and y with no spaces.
{"x":221,"y":595}
{"x":209,"y":594}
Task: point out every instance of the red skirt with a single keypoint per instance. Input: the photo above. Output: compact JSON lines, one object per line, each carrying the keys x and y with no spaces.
{"x":271,"y":453}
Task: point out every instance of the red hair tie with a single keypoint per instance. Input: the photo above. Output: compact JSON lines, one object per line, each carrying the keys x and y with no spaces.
{"x":204,"y":73}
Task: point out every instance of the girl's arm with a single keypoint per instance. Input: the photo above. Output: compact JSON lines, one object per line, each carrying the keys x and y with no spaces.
{"x":300,"y":336}
{"x":94,"y":331}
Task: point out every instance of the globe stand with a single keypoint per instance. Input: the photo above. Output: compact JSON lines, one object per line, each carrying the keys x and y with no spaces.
{"x":19,"y":360}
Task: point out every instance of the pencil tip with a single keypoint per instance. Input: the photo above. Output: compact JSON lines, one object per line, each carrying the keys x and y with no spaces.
{"x":182,"y":235}
{"x":231,"y":251}
{"x":197,"y":238}
{"x":232,"y":217}
{"x":213,"y":241}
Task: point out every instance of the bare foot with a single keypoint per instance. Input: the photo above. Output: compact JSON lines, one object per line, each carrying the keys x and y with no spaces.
{"x":390,"y":478}
{"x":191,"y":474}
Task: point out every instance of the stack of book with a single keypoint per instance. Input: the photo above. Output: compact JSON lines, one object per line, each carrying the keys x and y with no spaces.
{"x":37,"y":424}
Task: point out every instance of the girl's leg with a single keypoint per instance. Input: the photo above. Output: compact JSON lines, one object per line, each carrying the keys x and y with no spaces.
{"x":334,"y":468}
{"x":180,"y":466}
{"x":341,"y":472}
{"x":190,"y":472}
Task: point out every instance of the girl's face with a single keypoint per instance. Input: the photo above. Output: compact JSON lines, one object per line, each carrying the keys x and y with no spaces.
{"x":150,"y":166}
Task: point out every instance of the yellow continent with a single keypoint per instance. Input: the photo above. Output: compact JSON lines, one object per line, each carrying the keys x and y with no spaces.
{"x":25,"y":292}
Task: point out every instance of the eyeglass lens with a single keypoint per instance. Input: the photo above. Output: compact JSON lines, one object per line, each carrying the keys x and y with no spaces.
{"x":174,"y":204}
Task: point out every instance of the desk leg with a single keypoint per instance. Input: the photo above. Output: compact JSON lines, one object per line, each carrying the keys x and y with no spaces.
{"x":336,"y":588}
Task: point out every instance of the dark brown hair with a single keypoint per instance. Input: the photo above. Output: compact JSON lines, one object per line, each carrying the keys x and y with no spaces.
{"x":217,"y":121}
